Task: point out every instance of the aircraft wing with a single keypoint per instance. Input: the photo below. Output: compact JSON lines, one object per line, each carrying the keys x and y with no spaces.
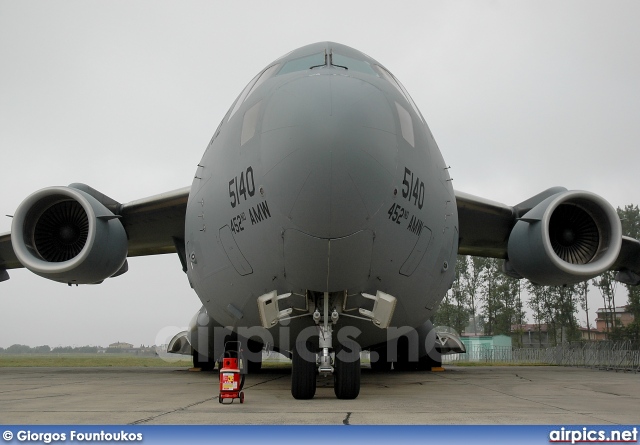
{"x":628,"y":262}
{"x":153,"y":225}
{"x":485,"y":225}
{"x":8,"y":259}
{"x":485,"y":228}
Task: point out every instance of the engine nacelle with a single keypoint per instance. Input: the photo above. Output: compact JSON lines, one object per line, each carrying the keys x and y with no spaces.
{"x":66,"y":235}
{"x":567,"y":238}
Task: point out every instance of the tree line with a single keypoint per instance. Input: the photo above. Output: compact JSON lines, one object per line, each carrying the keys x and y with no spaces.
{"x":484,"y":301}
{"x":46,"y":349}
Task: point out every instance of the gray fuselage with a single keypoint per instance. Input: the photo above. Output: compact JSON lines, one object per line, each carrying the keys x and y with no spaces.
{"x":322,"y":177}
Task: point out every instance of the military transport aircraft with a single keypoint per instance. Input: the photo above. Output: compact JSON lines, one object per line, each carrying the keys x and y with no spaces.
{"x":321,"y":220}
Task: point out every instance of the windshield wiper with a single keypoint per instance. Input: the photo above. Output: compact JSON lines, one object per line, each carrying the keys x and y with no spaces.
{"x":324,"y":64}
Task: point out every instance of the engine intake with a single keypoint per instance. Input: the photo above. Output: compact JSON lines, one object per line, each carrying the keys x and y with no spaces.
{"x":61,"y":232}
{"x":66,"y":235}
{"x":569,"y":237}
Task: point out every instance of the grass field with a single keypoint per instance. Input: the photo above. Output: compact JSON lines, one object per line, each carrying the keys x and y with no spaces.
{"x":472,"y":364}
{"x":86,"y":361}
{"x":123,"y":360}
{"x":103,"y":361}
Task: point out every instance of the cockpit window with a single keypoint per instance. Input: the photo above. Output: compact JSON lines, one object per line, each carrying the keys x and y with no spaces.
{"x":304,"y":63}
{"x":333,"y":59}
{"x":352,"y":64}
{"x":396,"y":83}
{"x":251,"y":87}
{"x":266,"y":74}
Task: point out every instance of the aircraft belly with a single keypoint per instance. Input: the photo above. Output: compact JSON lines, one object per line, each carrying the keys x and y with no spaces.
{"x":328,"y":265}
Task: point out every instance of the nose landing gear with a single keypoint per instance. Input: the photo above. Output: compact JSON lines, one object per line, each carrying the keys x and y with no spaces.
{"x":343,"y":362}
{"x":346,"y":378}
{"x":303,"y":373}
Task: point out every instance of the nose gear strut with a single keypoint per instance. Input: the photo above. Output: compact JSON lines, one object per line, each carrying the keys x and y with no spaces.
{"x":325,"y":324}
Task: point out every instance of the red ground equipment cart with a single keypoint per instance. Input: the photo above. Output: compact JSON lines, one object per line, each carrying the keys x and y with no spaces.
{"x":231,"y":380}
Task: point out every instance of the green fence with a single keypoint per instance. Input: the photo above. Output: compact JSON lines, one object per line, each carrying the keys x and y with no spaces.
{"x":624,"y":356}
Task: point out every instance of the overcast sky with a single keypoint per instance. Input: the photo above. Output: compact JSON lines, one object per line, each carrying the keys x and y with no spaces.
{"x":125,"y":95}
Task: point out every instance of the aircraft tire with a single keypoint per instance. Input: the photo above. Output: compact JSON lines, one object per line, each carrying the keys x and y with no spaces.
{"x":254,"y":366}
{"x":303,"y":373}
{"x":382,"y":364}
{"x":203,"y":365}
{"x":346,"y":376}
{"x":427,"y":362}
{"x":403,"y":364}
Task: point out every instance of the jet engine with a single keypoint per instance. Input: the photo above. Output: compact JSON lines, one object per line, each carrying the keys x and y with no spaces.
{"x":66,"y":235}
{"x":569,"y":237}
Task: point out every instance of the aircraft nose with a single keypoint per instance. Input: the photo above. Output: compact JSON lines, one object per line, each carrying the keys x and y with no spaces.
{"x":329,"y":152}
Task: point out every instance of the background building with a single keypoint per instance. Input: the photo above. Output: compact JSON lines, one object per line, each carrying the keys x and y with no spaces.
{"x":120,"y":345}
{"x":608,"y":318}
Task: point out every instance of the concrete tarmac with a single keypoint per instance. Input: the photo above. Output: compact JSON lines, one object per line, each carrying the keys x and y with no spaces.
{"x":459,"y":395}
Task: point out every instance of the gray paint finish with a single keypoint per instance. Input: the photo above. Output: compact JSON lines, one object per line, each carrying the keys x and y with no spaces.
{"x":327,"y":179}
